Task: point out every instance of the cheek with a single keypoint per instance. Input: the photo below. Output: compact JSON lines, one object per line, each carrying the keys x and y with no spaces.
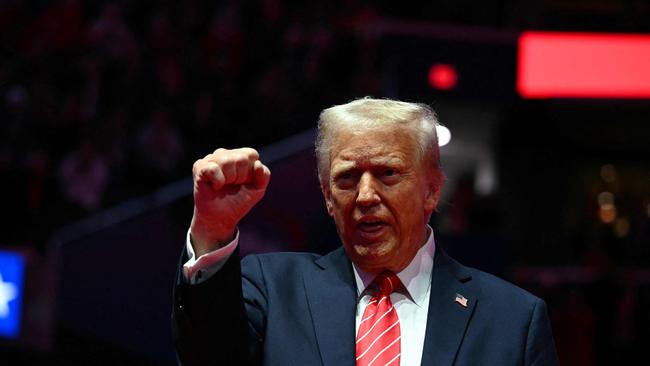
{"x":403,"y":202}
{"x":342,"y":201}
{"x":338,"y":210}
{"x":408,"y":212}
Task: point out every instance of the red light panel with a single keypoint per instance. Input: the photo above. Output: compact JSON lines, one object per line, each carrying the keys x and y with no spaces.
{"x":583,"y":65}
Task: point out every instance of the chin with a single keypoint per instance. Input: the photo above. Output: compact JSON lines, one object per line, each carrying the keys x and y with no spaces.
{"x":371,"y":261}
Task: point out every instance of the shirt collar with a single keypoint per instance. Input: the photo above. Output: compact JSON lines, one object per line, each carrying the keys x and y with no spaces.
{"x":416,"y":277}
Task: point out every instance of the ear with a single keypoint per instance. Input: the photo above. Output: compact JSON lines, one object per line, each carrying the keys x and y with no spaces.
{"x":434,"y":189}
{"x":327,"y":194}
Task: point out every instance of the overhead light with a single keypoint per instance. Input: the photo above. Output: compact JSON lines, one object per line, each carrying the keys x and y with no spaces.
{"x":444,"y":135}
{"x":443,"y":76}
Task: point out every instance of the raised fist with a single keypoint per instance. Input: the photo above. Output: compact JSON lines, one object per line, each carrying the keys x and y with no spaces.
{"x":227,"y":184}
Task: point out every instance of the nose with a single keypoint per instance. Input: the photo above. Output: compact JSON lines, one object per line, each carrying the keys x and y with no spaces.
{"x":368,"y":194}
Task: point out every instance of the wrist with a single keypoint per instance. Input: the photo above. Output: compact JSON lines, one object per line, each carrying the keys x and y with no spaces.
{"x":209,"y":236}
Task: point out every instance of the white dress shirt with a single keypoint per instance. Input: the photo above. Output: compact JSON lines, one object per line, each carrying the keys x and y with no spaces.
{"x":412,"y":307}
{"x":197,"y":270}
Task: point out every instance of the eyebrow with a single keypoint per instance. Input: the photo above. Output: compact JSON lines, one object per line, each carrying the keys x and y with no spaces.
{"x":344,"y":165}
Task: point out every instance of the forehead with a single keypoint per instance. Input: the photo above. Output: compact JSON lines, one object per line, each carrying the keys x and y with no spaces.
{"x":381,"y":145}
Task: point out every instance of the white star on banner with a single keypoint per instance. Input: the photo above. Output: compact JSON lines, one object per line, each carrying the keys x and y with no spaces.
{"x":7,"y":293}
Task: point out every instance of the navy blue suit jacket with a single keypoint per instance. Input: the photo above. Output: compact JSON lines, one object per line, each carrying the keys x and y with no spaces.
{"x":299,"y":309}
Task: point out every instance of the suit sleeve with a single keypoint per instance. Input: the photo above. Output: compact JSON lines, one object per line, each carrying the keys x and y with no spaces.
{"x":540,"y":347}
{"x":210,"y":320}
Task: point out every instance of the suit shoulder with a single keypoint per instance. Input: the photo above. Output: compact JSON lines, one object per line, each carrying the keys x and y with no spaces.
{"x":485,"y":282}
{"x":498,"y":290}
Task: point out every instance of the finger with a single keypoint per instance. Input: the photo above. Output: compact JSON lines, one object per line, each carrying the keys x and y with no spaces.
{"x":207,"y":172}
{"x":228,"y":168}
{"x":251,"y":154}
{"x":216,"y":176}
{"x":243,"y":169}
{"x":198,"y":170}
{"x":236,"y":165}
{"x":261,"y":175}
{"x":218,"y":151}
{"x":244,"y":163}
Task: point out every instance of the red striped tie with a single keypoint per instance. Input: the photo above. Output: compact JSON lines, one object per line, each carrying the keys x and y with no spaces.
{"x":378,"y":339}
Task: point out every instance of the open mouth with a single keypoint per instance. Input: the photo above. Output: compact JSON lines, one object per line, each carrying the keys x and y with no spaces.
{"x":371,"y":226}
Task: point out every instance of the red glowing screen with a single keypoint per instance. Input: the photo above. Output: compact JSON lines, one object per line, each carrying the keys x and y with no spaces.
{"x":583,"y":65}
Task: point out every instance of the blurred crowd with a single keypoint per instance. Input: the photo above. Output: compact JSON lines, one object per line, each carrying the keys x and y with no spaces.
{"x":101,"y":101}
{"x":104,"y":100}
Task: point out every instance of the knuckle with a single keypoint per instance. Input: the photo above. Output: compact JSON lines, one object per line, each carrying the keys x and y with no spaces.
{"x":198,"y":167}
{"x":241,"y":161}
{"x":250,"y":152}
{"x":228,"y":162}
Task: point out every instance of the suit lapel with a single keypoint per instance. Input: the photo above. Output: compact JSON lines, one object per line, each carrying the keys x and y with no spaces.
{"x":447,"y":319}
{"x":331,"y":295}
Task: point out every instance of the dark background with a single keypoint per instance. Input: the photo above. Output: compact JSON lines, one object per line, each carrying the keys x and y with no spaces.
{"x":104,"y":106}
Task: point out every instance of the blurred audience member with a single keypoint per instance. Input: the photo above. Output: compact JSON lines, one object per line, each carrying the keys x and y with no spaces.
{"x":83,"y":175}
{"x":158,"y":146}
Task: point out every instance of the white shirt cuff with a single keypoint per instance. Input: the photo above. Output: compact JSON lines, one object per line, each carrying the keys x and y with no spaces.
{"x":197,"y":270}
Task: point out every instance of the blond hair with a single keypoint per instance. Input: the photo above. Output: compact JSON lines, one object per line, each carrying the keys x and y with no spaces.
{"x":368,"y":113}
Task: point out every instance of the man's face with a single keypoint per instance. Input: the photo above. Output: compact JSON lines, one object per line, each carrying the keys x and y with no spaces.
{"x":380,"y":196}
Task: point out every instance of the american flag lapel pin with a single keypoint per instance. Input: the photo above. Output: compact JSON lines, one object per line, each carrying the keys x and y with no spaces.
{"x":461,"y":300}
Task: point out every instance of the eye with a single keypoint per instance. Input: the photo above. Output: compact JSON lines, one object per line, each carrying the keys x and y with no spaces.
{"x":345,"y":179}
{"x":390,"y":176}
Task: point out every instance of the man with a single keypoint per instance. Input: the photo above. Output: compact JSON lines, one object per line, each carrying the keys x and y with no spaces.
{"x":389,"y":296}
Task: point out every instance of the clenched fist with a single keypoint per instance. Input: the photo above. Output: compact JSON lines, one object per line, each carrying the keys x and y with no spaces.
{"x":227,"y":184}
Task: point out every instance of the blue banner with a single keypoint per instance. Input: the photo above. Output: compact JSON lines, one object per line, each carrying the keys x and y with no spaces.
{"x":12,"y":269}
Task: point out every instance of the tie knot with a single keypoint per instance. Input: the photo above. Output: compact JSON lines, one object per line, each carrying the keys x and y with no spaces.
{"x":386,"y":283}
